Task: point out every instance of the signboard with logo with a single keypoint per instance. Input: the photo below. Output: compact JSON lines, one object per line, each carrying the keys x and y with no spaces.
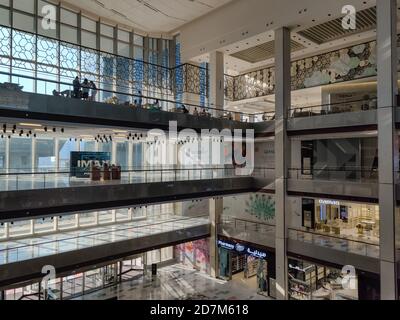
{"x":243,"y":249}
{"x":81,"y":162}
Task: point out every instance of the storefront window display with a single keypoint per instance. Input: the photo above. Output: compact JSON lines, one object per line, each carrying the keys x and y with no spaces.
{"x":251,"y":266}
{"x":310,"y":281}
{"x":340,"y":218}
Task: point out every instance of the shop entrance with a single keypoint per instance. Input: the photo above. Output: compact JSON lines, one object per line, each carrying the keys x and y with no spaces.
{"x":247,"y":266}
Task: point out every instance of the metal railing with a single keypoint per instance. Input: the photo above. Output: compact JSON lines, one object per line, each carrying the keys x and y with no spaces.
{"x":334,"y":108}
{"x":28,"y":180}
{"x":356,"y":174}
{"x":358,"y":247}
{"x":247,"y":230}
{"x":89,"y":239}
{"x":136,"y":101}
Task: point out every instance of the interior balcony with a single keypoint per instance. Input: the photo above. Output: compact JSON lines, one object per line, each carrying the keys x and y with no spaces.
{"x":23,"y":259}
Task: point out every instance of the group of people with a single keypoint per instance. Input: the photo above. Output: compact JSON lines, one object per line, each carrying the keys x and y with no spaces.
{"x":85,"y":90}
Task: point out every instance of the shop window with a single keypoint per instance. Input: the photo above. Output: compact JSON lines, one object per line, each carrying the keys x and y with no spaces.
{"x":45,"y":155}
{"x":87,"y":219}
{"x":21,"y":154}
{"x":65,"y":147}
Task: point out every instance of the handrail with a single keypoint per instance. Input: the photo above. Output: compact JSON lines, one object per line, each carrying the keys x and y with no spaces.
{"x":249,"y":221}
{"x":333,"y":104}
{"x":144,"y":97}
{"x":334,"y":169}
{"x":133,"y":170}
{"x":181,"y":218}
{"x":335,"y":237}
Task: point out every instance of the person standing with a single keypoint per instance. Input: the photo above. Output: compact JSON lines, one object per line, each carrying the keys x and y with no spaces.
{"x":140,"y":99}
{"x":77,"y":88}
{"x":85,"y":89}
{"x":93,"y":91}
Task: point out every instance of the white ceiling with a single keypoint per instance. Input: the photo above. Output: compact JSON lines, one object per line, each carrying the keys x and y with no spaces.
{"x":152,"y":16}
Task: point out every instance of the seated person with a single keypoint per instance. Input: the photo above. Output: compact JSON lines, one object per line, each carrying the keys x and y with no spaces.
{"x":203,"y":112}
{"x":195,"y":112}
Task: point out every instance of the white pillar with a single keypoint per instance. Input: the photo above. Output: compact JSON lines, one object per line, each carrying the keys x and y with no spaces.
{"x":217,"y":95}
{"x":387,"y":143}
{"x":216,"y":209}
{"x":282,"y":152}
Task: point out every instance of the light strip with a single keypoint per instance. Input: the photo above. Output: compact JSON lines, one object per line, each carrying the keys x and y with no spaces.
{"x":29,"y":124}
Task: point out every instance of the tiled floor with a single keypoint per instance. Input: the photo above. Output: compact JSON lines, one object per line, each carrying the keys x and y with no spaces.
{"x":178,"y":282}
{"x":30,"y":248}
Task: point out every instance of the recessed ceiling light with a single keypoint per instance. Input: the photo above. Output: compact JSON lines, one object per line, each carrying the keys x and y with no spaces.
{"x":23,"y":124}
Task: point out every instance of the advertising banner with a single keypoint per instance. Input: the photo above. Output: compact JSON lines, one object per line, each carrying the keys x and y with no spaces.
{"x":81,"y":162}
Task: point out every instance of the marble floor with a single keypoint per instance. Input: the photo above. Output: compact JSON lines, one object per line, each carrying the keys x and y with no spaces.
{"x":39,"y":246}
{"x":177,"y":282}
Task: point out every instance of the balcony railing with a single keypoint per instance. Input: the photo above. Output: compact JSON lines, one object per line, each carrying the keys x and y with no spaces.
{"x":334,"y":108}
{"x":11,"y":252}
{"x":337,"y":243}
{"x":355,"y":174}
{"x":31,"y":180}
{"x":131,"y":100}
{"x":246,"y":230}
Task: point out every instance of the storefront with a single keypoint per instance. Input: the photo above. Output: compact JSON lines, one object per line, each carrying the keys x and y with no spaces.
{"x":316,"y":281}
{"x":341,"y":218}
{"x":249,"y":264}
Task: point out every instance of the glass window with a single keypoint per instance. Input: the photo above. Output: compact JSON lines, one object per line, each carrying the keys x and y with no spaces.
{"x":138,"y":40}
{"x":122,"y":214}
{"x":107,"y":30}
{"x":2,"y":154}
{"x":123,"y":35}
{"x":89,"y":146}
{"x":65,"y":147}
{"x":67,"y":222}
{"x":87,"y":219}
{"x":105,"y":147}
{"x":89,"y":24}
{"x":23,"y":22}
{"x":105,"y":216}
{"x":5,"y":3}
{"x":5,"y":16}
{"x":21,"y":154}
{"x":45,"y":154}
{"x":44,"y":225}
{"x":69,"y":34}
{"x":138,"y":53}
{"x":123,"y":49}
{"x":25,"y":5}
{"x":69,"y":17}
{"x":41,"y":4}
{"x":19,"y":228}
{"x":89,"y":39}
{"x":107,"y":44}
{"x":137,"y":155}
{"x":122,"y":155}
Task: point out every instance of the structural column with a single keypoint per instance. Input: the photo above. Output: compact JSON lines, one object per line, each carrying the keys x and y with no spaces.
{"x":217,"y":92}
{"x":282,"y":149}
{"x":216,"y":209}
{"x":387,"y":143}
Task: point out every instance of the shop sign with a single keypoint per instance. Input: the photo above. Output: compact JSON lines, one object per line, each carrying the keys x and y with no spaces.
{"x":256,"y":253}
{"x":331,"y":202}
{"x":81,"y":162}
{"x":226,"y":245}
{"x":243,"y":249}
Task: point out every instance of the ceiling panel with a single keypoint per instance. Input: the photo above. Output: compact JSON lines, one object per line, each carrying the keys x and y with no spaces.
{"x":262,"y":52}
{"x":332,"y":30}
{"x":150,"y":15}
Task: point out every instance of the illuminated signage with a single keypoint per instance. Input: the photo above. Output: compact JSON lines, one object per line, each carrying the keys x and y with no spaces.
{"x":81,"y":162}
{"x":241,"y":248}
{"x":331,"y":202}
{"x":226,"y":245}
